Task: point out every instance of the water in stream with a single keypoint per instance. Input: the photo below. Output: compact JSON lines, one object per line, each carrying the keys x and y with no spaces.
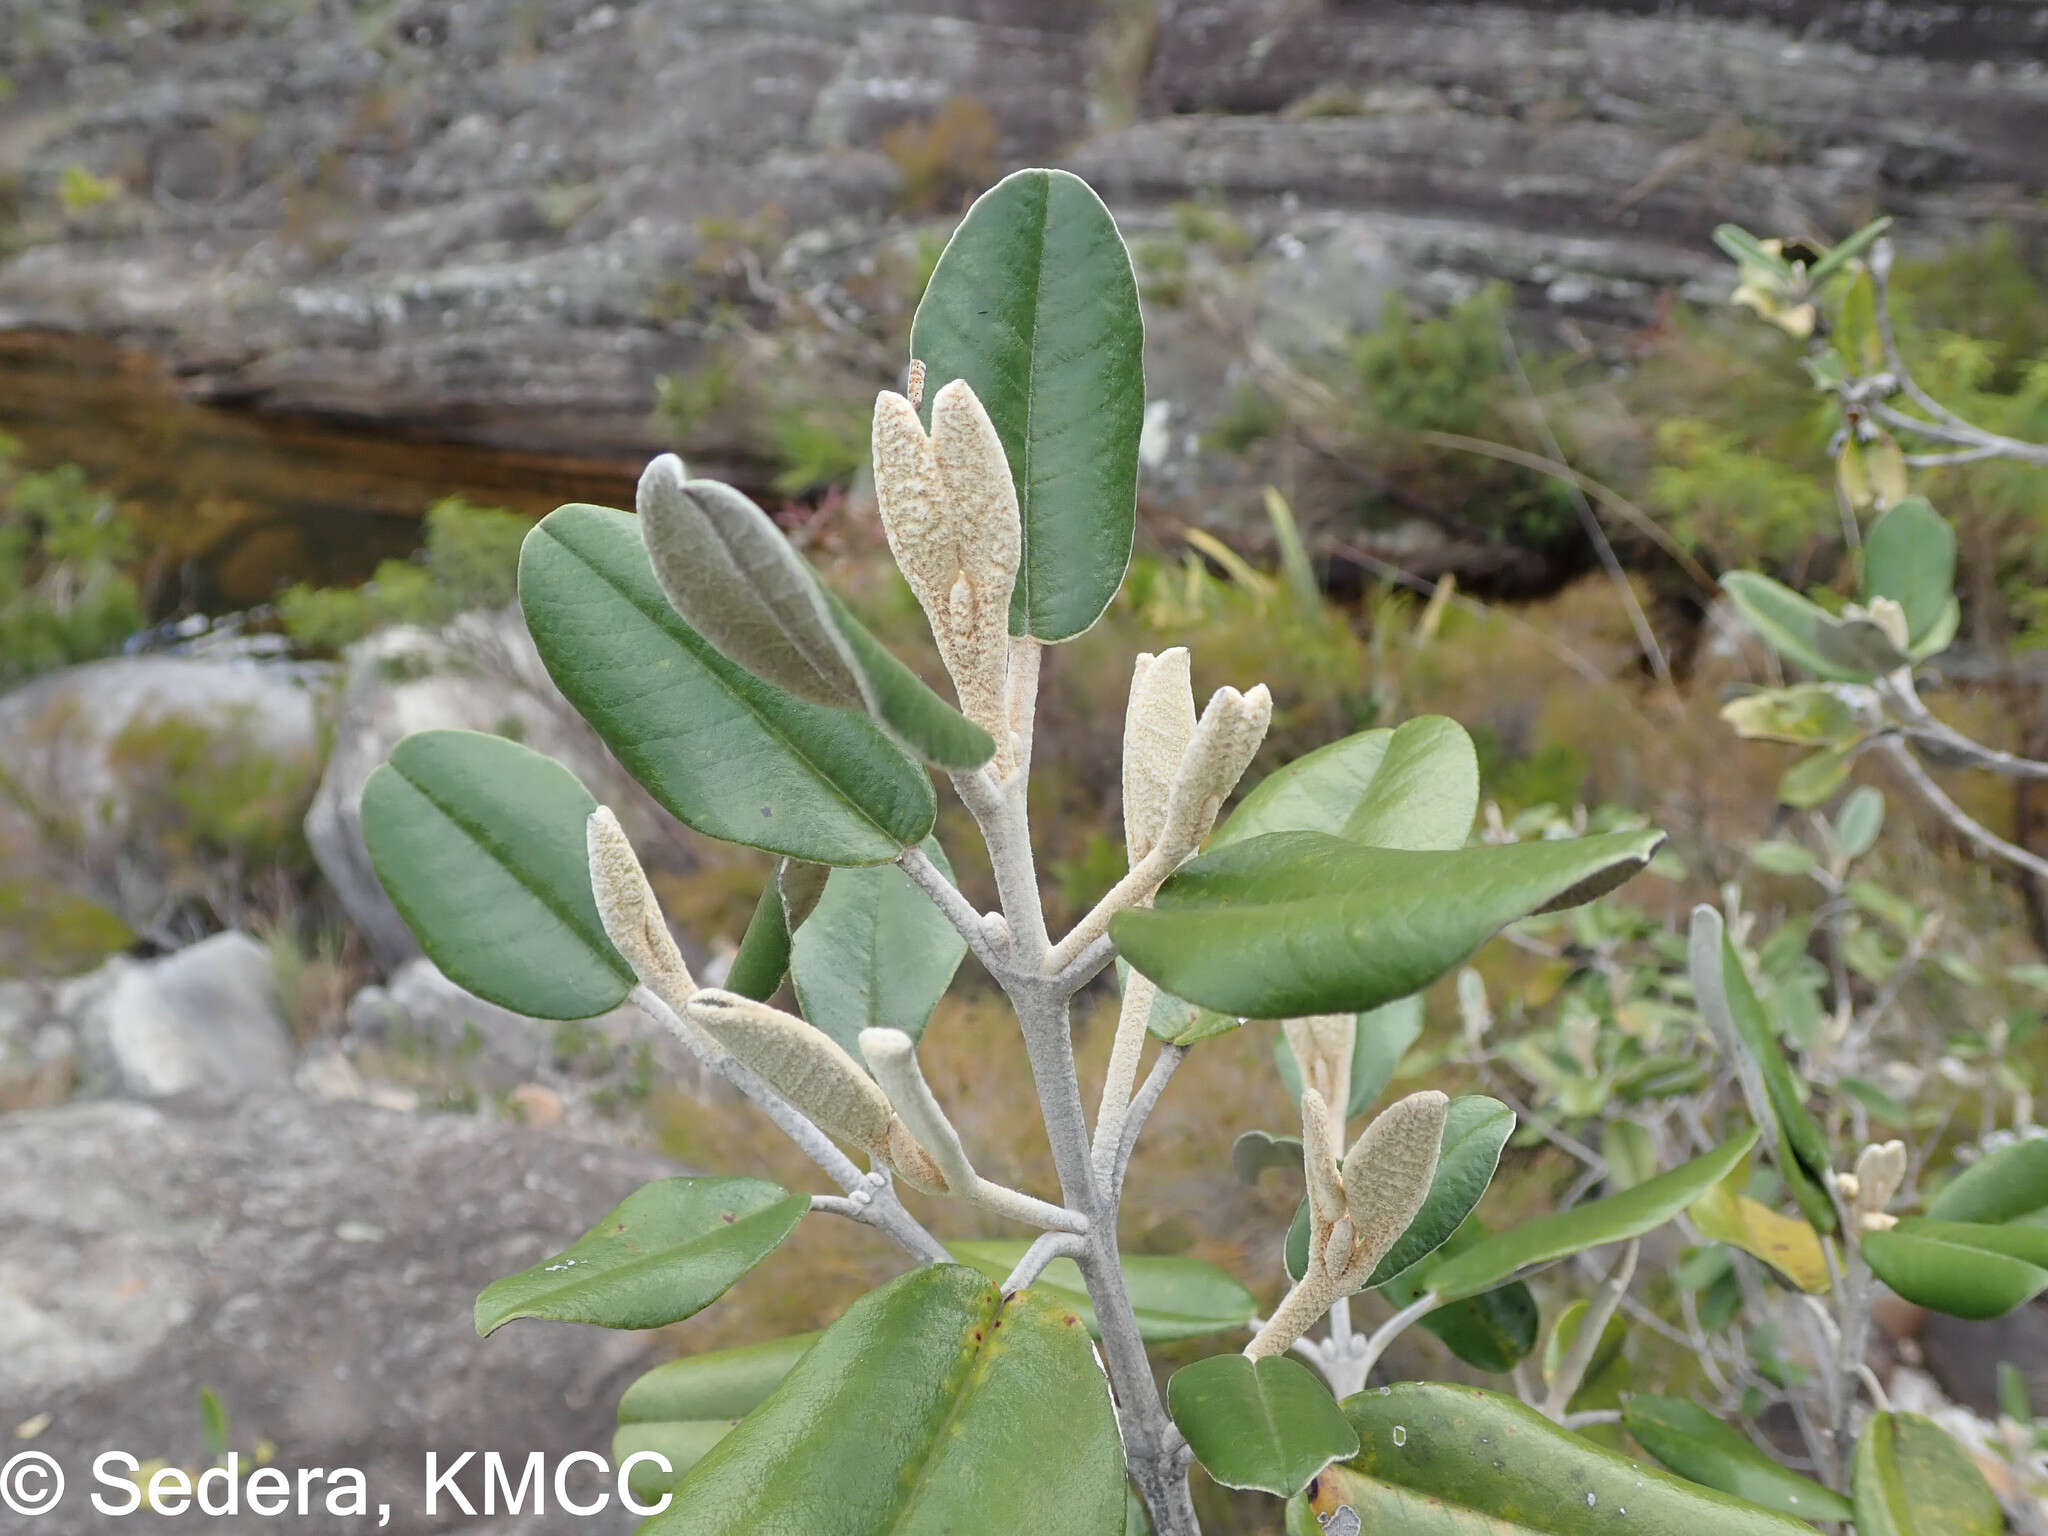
{"x":234,"y":505}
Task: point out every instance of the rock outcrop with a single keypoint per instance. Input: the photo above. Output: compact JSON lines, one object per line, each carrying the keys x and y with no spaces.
{"x":313,"y":1266}
{"x":501,"y":220}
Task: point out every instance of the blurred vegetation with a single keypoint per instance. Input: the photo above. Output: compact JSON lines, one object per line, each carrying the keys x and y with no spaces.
{"x":469,"y":560}
{"x":66,"y":592}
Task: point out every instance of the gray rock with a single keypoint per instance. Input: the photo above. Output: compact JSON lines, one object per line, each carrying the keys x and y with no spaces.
{"x":201,"y":1021}
{"x":420,"y":1013}
{"x":313,"y":1265}
{"x":38,"y":1057}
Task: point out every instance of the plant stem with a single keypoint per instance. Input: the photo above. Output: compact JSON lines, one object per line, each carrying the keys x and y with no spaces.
{"x":1973,"y":830}
{"x":1571,"y":1371}
{"x":873,"y":1195}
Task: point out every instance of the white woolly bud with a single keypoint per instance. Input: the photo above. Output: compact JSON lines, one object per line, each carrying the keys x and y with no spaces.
{"x":1159,"y":722}
{"x":1322,"y":1047}
{"x":892,"y":1057}
{"x":1319,"y":1166}
{"x":949,"y":508}
{"x":803,"y":1064}
{"x":1226,"y":739}
{"x":1880,"y":1170}
{"x":630,"y":912}
{"x":1387,"y":1174}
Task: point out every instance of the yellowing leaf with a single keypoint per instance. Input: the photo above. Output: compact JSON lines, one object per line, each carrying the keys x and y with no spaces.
{"x":1791,"y":1247}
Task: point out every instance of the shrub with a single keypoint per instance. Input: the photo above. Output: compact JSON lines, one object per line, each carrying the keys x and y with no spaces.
{"x":66,"y":594}
{"x":470,"y":560}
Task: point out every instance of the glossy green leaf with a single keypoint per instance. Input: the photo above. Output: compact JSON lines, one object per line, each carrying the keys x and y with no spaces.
{"x":2003,"y":1186}
{"x":479,"y":842}
{"x":1383,"y":1037}
{"x":1721,"y":987}
{"x":1442,"y":1460}
{"x":1268,"y":1424}
{"x":904,"y":704}
{"x":1297,"y":923}
{"x":906,"y":1419}
{"x":1696,"y":1445}
{"x":1612,"y":1219}
{"x":874,"y":954}
{"x":682,"y":1408}
{"x":762,"y":959}
{"x":723,"y":751}
{"x":1790,"y":624}
{"x":1426,"y":791}
{"x":1492,"y":1331}
{"x":1174,"y":1297}
{"x":666,"y":1252}
{"x":1316,"y":792}
{"x":1908,"y":1478}
{"x":1034,"y":303}
{"x":1909,"y":556}
{"x":1967,"y":1269}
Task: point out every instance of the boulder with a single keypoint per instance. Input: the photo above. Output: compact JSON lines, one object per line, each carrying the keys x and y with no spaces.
{"x":203,"y":1021}
{"x":313,"y":1265}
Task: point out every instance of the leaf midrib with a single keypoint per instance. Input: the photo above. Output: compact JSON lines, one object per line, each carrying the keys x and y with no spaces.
{"x":598,"y":943}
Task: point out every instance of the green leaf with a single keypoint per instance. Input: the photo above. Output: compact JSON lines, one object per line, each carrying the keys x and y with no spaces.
{"x":906,"y":1419}
{"x":1694,"y":1444}
{"x":1440,"y":1460}
{"x":723,"y":751}
{"x":874,"y":954}
{"x":1745,"y":247}
{"x":1855,"y":245}
{"x":1267,"y":1424}
{"x":1613,"y":1335}
{"x":732,"y":575}
{"x":1967,"y":1269}
{"x":1807,"y":714}
{"x":1178,"y":1021}
{"x":666,"y":1252}
{"x":1382,"y":1037}
{"x":1612,"y":1219}
{"x":684,"y":1407}
{"x":1174,"y":1297}
{"x":1426,"y":791}
{"x":2004,"y":1186}
{"x":1909,"y":1478}
{"x":1034,"y":303}
{"x":1317,"y":792}
{"x":897,"y":697}
{"x":479,"y":842}
{"x":1778,"y":856}
{"x":1475,"y":1130}
{"x":1297,"y":923}
{"x":763,"y":957}
{"x":1810,"y":781}
{"x":1860,"y":820}
{"x":1492,"y":1331}
{"x":1256,"y":1151}
{"x":1721,"y":987}
{"x":1791,"y":625}
{"x":1909,"y":556}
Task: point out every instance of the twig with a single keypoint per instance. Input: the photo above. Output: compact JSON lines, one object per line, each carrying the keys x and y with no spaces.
{"x":1571,"y":1371}
{"x":1392,"y":1329}
{"x":1971,"y":829}
{"x":978,"y":930}
{"x":1170,"y":1058}
{"x":1046,"y":1247}
{"x":876,"y":1197}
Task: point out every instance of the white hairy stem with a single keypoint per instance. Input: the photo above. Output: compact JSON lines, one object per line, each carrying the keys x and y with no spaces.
{"x":1136,"y":887}
{"x":1384,"y":1335}
{"x":892,"y":1056}
{"x":1971,"y":829}
{"x":1924,"y":726}
{"x":880,"y":1208}
{"x":1121,"y":1076}
{"x":1571,"y":1371}
{"x":986,"y":933}
{"x":1043,"y":1250}
{"x":1148,"y":1094}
